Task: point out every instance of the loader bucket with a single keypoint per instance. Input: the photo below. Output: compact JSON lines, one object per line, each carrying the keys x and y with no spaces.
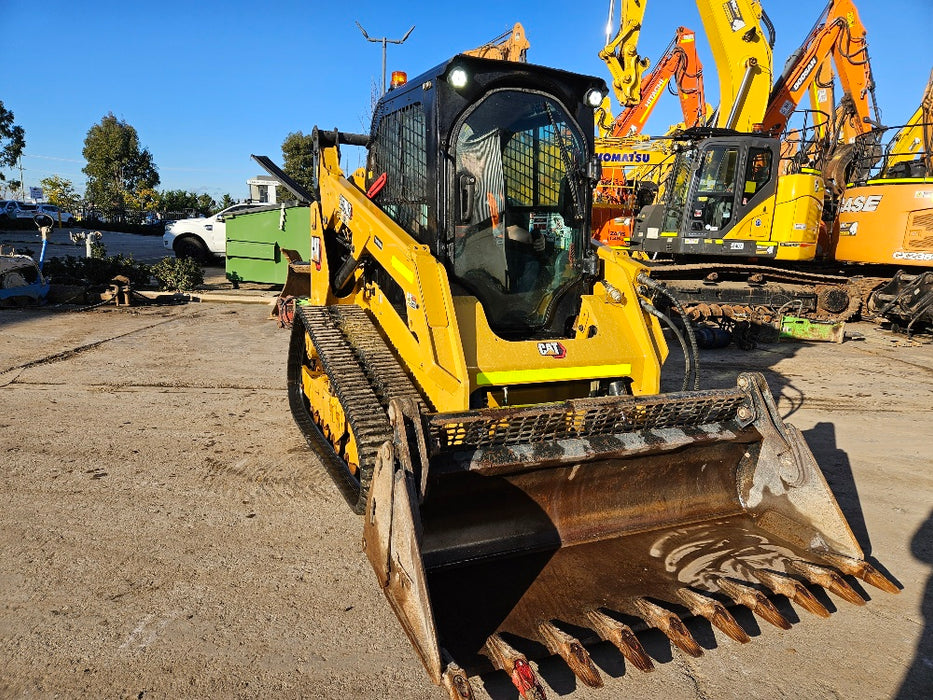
{"x":297,"y":279}
{"x":502,"y":535}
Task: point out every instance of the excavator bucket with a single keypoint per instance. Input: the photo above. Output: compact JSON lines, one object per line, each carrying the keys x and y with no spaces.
{"x":502,"y":535}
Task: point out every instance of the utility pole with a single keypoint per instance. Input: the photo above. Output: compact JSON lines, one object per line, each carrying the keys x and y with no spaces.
{"x":384,"y":41}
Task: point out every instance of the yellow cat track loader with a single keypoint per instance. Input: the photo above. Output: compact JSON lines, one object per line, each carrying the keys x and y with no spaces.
{"x":483,"y":384}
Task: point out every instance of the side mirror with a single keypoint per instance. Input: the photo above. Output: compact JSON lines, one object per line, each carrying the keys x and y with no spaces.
{"x":220,"y":218}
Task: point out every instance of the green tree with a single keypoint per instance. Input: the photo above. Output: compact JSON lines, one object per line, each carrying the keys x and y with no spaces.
{"x":61,"y":192}
{"x":178,"y":200}
{"x":182,"y":201}
{"x":226,"y":201}
{"x":298,"y":155}
{"x":117,"y":169}
{"x":206,"y":204}
{"x":12,"y":141}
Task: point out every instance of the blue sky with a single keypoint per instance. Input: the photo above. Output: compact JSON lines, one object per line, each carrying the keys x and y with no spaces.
{"x":206,"y":84}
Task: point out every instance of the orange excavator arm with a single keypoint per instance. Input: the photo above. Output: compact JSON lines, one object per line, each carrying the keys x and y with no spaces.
{"x":838,"y":33}
{"x":680,"y":62}
{"x":511,"y":45}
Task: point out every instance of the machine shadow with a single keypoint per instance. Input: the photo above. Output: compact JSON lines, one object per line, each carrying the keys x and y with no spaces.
{"x":919,"y":679}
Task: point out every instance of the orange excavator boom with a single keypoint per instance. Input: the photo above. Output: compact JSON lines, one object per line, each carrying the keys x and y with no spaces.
{"x":838,"y":33}
{"x":680,"y":63}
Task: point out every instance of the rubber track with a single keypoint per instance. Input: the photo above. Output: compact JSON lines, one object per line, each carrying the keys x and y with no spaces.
{"x":350,"y":364}
{"x":386,"y":376}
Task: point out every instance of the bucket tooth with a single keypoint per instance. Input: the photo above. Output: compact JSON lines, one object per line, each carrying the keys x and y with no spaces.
{"x":792,"y":589}
{"x":861,"y":569}
{"x":670,"y":624}
{"x":623,"y":638}
{"x":714,"y":611}
{"x":507,"y":659}
{"x":456,"y":683}
{"x":571,"y":650}
{"x":828,"y":578}
{"x":754,"y":600}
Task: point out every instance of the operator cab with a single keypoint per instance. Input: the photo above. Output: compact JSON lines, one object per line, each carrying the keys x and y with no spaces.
{"x":520,"y":222}
{"x":490,"y":163}
{"x":712,"y":185}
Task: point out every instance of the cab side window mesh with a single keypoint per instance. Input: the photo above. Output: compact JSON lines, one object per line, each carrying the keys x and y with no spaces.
{"x":401,"y":153}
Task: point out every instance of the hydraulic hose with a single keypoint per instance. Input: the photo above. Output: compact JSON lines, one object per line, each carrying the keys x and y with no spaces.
{"x":688,"y":365}
{"x":646,"y":281}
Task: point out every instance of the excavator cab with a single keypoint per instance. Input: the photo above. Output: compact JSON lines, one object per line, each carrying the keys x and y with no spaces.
{"x":724,"y":198}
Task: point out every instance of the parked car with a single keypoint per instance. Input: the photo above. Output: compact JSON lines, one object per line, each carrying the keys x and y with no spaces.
{"x":202,"y":237}
{"x":57,"y":214}
{"x":26,"y":211}
{"x":14,"y":209}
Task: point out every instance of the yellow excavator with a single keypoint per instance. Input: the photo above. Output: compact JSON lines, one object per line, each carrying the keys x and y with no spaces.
{"x":483,"y":386}
{"x":740,"y":221}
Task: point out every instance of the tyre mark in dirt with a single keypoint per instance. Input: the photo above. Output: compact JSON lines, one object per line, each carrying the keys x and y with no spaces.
{"x":268,"y":480}
{"x":72,"y":352}
{"x":889,"y":361}
{"x":145,"y":633}
{"x":845,"y":404}
{"x":126,"y":386}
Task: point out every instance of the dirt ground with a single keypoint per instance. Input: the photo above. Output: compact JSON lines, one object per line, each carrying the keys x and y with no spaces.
{"x":165,"y":531}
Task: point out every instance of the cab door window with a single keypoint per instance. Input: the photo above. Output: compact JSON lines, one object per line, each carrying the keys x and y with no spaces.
{"x":757,"y":172}
{"x":714,"y":198}
{"x":520,"y":208}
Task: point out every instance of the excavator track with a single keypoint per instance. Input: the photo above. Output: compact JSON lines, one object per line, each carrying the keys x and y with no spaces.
{"x":759,"y":293}
{"x":363,"y":375}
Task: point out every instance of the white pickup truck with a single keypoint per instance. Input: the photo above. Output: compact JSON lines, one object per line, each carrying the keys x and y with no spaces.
{"x":202,"y":237}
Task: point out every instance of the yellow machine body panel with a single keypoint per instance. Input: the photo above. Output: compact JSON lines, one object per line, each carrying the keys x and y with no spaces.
{"x":613,"y":340}
{"x":789,"y":223}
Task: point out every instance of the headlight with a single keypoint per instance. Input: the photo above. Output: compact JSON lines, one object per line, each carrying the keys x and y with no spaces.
{"x":594,"y":97}
{"x":457,"y":77}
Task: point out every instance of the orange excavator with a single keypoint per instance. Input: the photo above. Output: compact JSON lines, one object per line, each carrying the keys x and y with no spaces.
{"x":618,"y":196}
{"x":838,"y":33}
{"x":511,"y":45}
{"x":681,"y":64}
{"x":886,"y":217}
